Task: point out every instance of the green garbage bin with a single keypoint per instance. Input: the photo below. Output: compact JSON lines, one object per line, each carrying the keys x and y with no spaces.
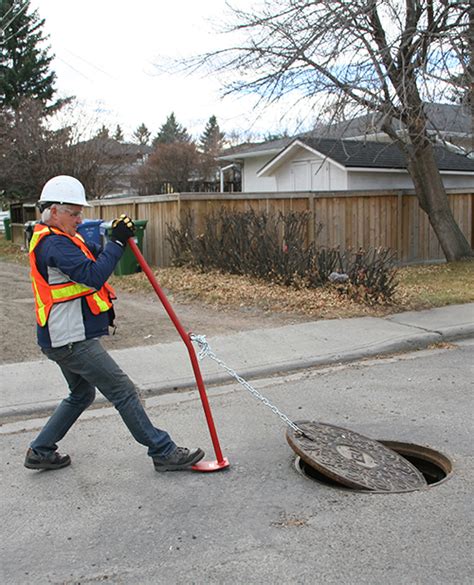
{"x":8,"y":228}
{"x":128,"y":263}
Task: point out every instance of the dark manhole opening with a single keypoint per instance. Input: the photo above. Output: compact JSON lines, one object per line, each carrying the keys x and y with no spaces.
{"x":433,"y":465}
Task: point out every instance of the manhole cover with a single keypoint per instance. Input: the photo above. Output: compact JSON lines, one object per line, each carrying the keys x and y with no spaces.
{"x":352,"y":459}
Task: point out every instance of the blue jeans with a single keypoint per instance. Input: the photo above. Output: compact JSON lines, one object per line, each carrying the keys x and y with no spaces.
{"x":87,"y":366}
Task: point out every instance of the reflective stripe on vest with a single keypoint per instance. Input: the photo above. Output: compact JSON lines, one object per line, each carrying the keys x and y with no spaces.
{"x":46,"y":295}
{"x":68,"y":291}
{"x":41,"y":314}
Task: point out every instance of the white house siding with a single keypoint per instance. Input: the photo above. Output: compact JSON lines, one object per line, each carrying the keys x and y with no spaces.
{"x":458,"y":181}
{"x":253,"y":184}
{"x":378,"y":180}
{"x":313,"y":174}
{"x":387,"y":180}
{"x":293,"y":176}
{"x":337,"y":179}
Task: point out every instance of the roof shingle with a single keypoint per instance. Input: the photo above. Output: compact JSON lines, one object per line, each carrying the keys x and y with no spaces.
{"x":381,"y":155}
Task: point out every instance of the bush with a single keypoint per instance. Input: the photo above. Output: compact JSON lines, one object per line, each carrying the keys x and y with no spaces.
{"x":180,"y":239}
{"x":273,"y":247}
{"x":372,"y":276}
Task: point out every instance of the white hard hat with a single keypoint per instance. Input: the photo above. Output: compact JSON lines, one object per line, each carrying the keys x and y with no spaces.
{"x":63,"y":189}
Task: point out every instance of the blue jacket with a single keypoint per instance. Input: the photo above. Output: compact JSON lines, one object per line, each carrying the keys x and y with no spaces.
{"x":58,"y":260}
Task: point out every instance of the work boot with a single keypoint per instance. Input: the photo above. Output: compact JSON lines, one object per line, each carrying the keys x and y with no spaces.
{"x":181,"y":458}
{"x":53,"y":461}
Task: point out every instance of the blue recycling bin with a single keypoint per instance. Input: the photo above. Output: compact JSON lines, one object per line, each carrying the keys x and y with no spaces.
{"x":90,"y":230}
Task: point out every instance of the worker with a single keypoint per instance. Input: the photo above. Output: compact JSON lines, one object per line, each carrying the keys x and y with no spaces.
{"x":73,"y":310}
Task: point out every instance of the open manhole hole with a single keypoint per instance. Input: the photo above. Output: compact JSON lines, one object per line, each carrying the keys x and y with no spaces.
{"x":342,"y":458}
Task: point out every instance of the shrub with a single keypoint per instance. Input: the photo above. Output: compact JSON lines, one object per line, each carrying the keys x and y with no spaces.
{"x":180,"y":239}
{"x":273,"y":247}
{"x":372,"y":275}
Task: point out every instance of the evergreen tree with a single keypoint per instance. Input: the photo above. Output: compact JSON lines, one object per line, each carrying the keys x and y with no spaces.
{"x":24,"y":64}
{"x":171,"y":131}
{"x":212,"y":138}
{"x":210,"y":143}
{"x":142,"y":134}
{"x":270,"y":136}
{"x":118,"y":136}
{"x":103,"y":132}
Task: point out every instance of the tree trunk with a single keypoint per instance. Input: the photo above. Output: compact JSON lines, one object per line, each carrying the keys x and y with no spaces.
{"x":434,"y":201}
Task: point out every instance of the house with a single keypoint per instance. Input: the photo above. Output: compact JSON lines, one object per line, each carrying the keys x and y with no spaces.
{"x":353,"y":155}
{"x":325,"y":164}
{"x":117,"y":162}
{"x":448,"y":124}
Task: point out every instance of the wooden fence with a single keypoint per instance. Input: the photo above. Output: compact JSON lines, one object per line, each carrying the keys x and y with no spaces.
{"x":349,"y":219}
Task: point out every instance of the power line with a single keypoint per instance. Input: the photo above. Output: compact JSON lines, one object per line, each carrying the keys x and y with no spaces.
{"x":91,"y":64}
{"x":74,"y":69}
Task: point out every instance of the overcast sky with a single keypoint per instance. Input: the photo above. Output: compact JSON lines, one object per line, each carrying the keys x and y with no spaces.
{"x":105,"y":54}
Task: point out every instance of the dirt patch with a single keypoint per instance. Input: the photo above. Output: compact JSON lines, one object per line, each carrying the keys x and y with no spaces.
{"x":141,"y":319}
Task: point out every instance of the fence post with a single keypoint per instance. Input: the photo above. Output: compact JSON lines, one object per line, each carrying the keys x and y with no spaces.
{"x":312,"y":220}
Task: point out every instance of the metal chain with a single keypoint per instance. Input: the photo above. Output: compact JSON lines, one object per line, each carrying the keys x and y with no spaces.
{"x":205,"y":350}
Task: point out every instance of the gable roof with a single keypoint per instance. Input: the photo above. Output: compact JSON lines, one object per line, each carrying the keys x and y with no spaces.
{"x":114,"y":148}
{"x":352,"y":154}
{"x":255,"y":149}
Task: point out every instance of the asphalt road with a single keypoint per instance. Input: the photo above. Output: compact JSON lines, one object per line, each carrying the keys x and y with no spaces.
{"x":110,"y":518}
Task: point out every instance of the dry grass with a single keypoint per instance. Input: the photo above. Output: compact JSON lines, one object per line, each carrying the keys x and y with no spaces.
{"x":436,"y":285}
{"x":420,"y":287}
{"x":12,"y":252}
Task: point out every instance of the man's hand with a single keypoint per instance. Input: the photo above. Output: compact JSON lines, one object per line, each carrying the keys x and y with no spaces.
{"x":123,"y":228}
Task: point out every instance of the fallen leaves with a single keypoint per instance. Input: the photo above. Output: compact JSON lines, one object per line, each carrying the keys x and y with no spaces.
{"x":420,"y":287}
{"x":228,"y":290}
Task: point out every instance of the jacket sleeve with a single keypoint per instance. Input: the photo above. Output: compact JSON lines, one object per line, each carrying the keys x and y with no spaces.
{"x":94,"y":248}
{"x":61,"y":253}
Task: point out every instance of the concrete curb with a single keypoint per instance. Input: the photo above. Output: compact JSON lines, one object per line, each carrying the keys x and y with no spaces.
{"x":422,"y":341}
{"x":412,"y":343}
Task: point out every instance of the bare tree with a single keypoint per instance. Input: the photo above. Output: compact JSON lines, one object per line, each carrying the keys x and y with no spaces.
{"x":31,"y":152}
{"x":101,"y":164}
{"x":349,"y":56}
{"x":170,"y":168}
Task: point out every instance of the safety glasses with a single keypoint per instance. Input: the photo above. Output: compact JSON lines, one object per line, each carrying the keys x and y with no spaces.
{"x":72,"y":213}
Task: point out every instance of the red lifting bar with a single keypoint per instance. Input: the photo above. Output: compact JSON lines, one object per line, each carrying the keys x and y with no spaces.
{"x":221,"y":462}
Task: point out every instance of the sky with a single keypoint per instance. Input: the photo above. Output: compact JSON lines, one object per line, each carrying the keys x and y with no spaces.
{"x":105,"y":55}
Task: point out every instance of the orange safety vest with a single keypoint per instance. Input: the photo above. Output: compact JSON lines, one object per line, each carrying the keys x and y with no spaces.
{"x":46,"y":295}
